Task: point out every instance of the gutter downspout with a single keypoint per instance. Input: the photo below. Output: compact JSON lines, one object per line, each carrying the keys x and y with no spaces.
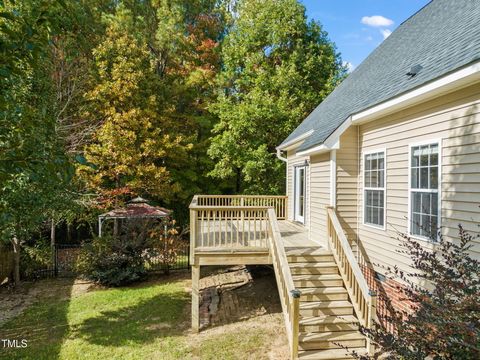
{"x":279,"y":155}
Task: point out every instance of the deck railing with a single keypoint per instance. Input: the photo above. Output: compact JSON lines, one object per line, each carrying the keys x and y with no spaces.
{"x":363,"y":300}
{"x":279,"y":203}
{"x":232,"y":222}
{"x":289,"y":296}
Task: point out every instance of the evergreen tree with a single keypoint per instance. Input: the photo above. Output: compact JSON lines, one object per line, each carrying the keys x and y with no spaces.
{"x":277,"y":67}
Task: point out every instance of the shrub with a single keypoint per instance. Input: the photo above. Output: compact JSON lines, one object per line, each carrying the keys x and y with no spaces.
{"x":443,"y":321}
{"x":112,"y":261}
{"x":165,"y":247}
{"x":35,"y":258}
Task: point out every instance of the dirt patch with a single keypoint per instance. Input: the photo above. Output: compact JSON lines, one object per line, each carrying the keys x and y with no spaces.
{"x":13,"y":301}
{"x":273,"y":344}
{"x":236,"y":293}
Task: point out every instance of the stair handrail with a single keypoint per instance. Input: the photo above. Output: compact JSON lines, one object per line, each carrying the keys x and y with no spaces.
{"x":363,"y":299}
{"x":289,"y":295}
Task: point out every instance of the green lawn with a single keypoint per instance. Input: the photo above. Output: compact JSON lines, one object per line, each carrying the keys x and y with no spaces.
{"x":149,"y":321}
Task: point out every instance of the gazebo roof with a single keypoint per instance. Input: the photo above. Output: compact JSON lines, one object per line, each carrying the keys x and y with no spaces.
{"x":137,"y":208}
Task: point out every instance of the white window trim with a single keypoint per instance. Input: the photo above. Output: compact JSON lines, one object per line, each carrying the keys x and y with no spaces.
{"x":364,"y":153}
{"x":437,"y":141}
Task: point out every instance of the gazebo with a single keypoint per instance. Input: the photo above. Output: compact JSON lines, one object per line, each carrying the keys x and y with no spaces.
{"x":137,"y":208}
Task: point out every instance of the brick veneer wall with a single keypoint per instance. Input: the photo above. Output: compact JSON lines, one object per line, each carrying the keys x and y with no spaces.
{"x":386,"y":288}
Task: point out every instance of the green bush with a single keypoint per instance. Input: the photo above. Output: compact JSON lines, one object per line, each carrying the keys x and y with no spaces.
{"x":35,"y":258}
{"x":112,"y":261}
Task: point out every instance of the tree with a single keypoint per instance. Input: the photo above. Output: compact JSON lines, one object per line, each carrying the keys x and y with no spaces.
{"x":188,"y":40}
{"x":443,"y":321}
{"x":133,"y":148}
{"x":34,"y":171}
{"x":170,"y":51}
{"x":277,"y":67}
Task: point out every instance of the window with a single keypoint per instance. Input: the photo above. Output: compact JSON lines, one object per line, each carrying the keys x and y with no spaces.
{"x":424,"y":190}
{"x":374,"y":189}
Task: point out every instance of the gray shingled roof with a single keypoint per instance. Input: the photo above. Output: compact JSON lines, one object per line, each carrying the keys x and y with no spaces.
{"x":442,"y":37}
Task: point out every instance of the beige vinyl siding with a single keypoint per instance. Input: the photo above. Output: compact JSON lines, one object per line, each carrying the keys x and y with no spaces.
{"x":292,"y":161}
{"x":319,"y":196}
{"x":453,"y":118}
{"x":347,"y":182}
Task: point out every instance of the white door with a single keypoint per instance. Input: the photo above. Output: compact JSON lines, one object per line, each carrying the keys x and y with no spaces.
{"x":299,"y":194}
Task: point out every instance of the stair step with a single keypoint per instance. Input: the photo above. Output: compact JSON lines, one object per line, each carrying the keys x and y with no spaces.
{"x":324,"y":293}
{"x":307,"y":251}
{"x":322,"y":308}
{"x":331,"y":340}
{"x":326,"y":280}
{"x":314,"y":268}
{"x":330,"y":354}
{"x":309,"y":254}
{"x":328,"y":323}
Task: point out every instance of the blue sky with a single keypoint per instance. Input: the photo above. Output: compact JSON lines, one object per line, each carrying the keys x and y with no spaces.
{"x":359,"y":26}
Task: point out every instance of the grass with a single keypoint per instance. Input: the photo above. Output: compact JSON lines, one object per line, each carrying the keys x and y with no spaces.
{"x":149,"y":321}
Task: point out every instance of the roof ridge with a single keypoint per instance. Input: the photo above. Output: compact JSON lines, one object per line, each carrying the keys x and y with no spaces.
{"x":415,"y":13}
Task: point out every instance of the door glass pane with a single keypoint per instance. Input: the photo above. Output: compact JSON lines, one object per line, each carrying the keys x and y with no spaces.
{"x":300,"y":194}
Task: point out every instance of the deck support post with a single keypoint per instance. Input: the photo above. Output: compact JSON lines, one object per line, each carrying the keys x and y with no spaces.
{"x":195,"y":298}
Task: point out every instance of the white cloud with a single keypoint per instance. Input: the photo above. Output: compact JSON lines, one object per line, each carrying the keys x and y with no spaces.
{"x":376,"y":21}
{"x":386,"y":33}
{"x":349,"y":65}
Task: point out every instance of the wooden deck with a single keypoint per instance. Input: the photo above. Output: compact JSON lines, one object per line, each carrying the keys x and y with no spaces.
{"x":294,"y":235}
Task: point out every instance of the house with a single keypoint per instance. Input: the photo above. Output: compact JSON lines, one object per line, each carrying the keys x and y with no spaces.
{"x":395,"y":148}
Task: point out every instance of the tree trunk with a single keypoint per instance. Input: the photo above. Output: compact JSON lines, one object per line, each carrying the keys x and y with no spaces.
{"x":115,"y":227}
{"x":16,"y":260}
{"x":52,"y":241}
{"x":52,"y":233}
{"x":239,"y":181}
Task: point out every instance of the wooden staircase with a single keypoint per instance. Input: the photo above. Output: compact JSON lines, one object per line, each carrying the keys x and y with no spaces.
{"x":327,"y":318}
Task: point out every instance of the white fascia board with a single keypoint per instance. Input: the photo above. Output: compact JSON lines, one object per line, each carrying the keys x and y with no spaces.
{"x":443,"y":85}
{"x":322,"y":148}
{"x":331,"y":143}
{"x":295,"y":140}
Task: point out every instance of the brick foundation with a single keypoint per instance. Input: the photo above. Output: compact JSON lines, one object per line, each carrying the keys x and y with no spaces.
{"x":386,"y":288}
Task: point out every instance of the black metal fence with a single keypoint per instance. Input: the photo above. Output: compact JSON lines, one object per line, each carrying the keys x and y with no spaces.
{"x":170,"y":257}
{"x":173,"y":256}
